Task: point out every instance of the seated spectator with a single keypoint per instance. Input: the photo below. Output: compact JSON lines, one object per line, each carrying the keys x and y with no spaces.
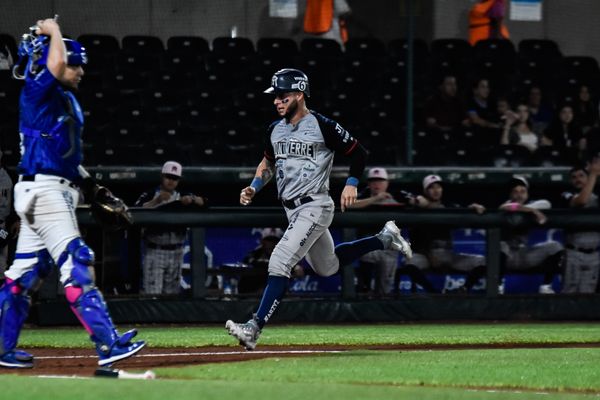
{"x":582,"y":263}
{"x":380,"y":263}
{"x":432,"y":247}
{"x":540,"y":113}
{"x":564,"y":133}
{"x":585,"y":109}
{"x":444,"y":111}
{"x":480,"y":111}
{"x":517,"y":129}
{"x":502,"y":107}
{"x":517,"y":253}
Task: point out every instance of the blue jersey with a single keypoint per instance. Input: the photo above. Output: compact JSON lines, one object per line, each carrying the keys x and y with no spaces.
{"x":50,"y":123}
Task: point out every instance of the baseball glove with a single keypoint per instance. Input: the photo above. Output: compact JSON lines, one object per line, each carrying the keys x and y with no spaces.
{"x":110,"y":210}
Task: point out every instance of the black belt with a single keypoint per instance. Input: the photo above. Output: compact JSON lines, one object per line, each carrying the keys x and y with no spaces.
{"x":291,"y":204}
{"x":582,"y":250}
{"x":155,"y":246}
{"x":31,"y":178}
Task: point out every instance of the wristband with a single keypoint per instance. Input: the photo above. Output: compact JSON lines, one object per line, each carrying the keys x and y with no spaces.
{"x":257,"y":183}
{"x":352,"y":181}
{"x":514,"y":206}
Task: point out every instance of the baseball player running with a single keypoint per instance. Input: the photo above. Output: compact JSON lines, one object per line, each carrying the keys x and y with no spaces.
{"x":299,"y":152}
{"x":50,"y":127}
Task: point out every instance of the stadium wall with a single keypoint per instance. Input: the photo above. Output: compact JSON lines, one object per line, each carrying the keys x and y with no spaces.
{"x":566,"y":22}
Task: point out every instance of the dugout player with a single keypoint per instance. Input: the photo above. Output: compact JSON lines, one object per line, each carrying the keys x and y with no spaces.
{"x":163,"y":249}
{"x":517,"y":254}
{"x":6,"y":189}
{"x":46,"y":195}
{"x":299,"y":151}
{"x":583,"y":248}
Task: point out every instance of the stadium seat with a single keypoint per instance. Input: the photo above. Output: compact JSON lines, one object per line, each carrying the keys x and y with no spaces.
{"x":128,"y":61}
{"x":142,"y":44}
{"x":543,"y":50}
{"x":183,"y":63}
{"x":97,"y":45}
{"x":227,"y":46}
{"x":398,"y":48}
{"x":188,"y":45}
{"x":510,"y":156}
{"x":277,"y":47}
{"x":365,"y":48}
{"x":584,"y":68}
{"x":320,"y":48}
{"x":548,"y":156}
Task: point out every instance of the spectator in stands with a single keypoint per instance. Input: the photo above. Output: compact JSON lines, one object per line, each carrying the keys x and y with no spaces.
{"x":381,"y":263}
{"x":582,"y":263}
{"x":432,"y":248}
{"x":327,"y":19}
{"x":517,"y":129}
{"x":481,"y":113}
{"x":444,"y":111}
{"x":163,"y":249}
{"x":585,"y":109}
{"x":486,"y":21}
{"x":566,"y":134}
{"x":517,"y":254}
{"x":540,"y":113}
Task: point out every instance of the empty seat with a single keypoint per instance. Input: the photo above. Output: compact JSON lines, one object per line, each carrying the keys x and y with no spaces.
{"x":365,"y":47}
{"x":451,"y":49}
{"x":191,"y":45}
{"x":510,"y":156}
{"x":548,"y":156}
{"x":99,"y":44}
{"x":227,"y":46}
{"x":539,"y":49}
{"x":276,"y":47}
{"x":8,"y":47}
{"x":138,"y":62}
{"x":314,"y":47}
{"x":581,"y":67}
{"x":142,"y":44}
{"x":398,"y":50}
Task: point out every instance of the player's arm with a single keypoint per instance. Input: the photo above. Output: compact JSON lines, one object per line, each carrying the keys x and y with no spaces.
{"x":517,"y":207}
{"x":264,"y":173}
{"x":57,"y":53}
{"x":582,"y":198}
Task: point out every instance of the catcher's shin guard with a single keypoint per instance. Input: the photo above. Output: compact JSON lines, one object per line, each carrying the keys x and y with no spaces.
{"x":14,"y":308}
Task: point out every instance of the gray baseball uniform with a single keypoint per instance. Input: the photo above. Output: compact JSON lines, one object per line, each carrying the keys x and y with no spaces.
{"x":303,"y":157}
{"x":582,"y":256}
{"x":6,"y":186}
{"x":163,"y":254}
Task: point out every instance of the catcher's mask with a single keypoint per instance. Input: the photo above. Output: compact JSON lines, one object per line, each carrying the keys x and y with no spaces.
{"x":33,"y":54}
{"x":289,"y":80}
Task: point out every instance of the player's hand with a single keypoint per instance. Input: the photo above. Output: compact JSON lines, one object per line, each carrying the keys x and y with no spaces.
{"x":186,"y":200}
{"x":594,"y":166}
{"x":348,"y":198}
{"x":540,"y":217}
{"x":163,"y":196}
{"x":46,"y":26}
{"x":479,"y":209}
{"x":246,"y":195}
{"x":383,"y":196}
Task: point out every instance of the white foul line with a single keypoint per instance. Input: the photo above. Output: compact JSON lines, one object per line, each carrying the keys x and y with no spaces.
{"x":205,"y":353}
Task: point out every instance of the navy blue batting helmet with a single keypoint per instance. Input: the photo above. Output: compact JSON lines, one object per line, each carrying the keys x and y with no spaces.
{"x":289,"y":80}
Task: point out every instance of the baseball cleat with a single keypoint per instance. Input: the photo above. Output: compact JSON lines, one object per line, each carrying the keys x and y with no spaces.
{"x":22,"y":355}
{"x":247,"y":333}
{"x":11,"y":360}
{"x":391,"y":235}
{"x":118,"y":352}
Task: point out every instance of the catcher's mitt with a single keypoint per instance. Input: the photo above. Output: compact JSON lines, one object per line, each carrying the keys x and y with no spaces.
{"x":110,"y":210}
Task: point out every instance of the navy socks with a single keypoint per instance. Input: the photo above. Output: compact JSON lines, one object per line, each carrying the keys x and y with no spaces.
{"x":350,"y":251}
{"x":276,"y":286}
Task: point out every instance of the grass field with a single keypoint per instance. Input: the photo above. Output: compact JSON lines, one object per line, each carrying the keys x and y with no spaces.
{"x":451,"y":371}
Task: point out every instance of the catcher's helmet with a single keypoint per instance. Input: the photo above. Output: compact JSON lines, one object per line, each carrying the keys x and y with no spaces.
{"x":33,"y":53}
{"x":289,"y":80}
{"x":76,"y":54}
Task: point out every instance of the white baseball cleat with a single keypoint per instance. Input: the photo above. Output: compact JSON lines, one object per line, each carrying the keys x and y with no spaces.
{"x":397,"y":242}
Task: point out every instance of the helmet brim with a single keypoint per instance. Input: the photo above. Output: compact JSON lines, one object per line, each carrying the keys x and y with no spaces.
{"x":270,"y":90}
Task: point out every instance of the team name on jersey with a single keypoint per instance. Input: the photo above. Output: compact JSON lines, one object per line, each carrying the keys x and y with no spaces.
{"x":294,"y":148}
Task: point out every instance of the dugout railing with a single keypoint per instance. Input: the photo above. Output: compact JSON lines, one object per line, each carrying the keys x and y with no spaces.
{"x":491,"y":221}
